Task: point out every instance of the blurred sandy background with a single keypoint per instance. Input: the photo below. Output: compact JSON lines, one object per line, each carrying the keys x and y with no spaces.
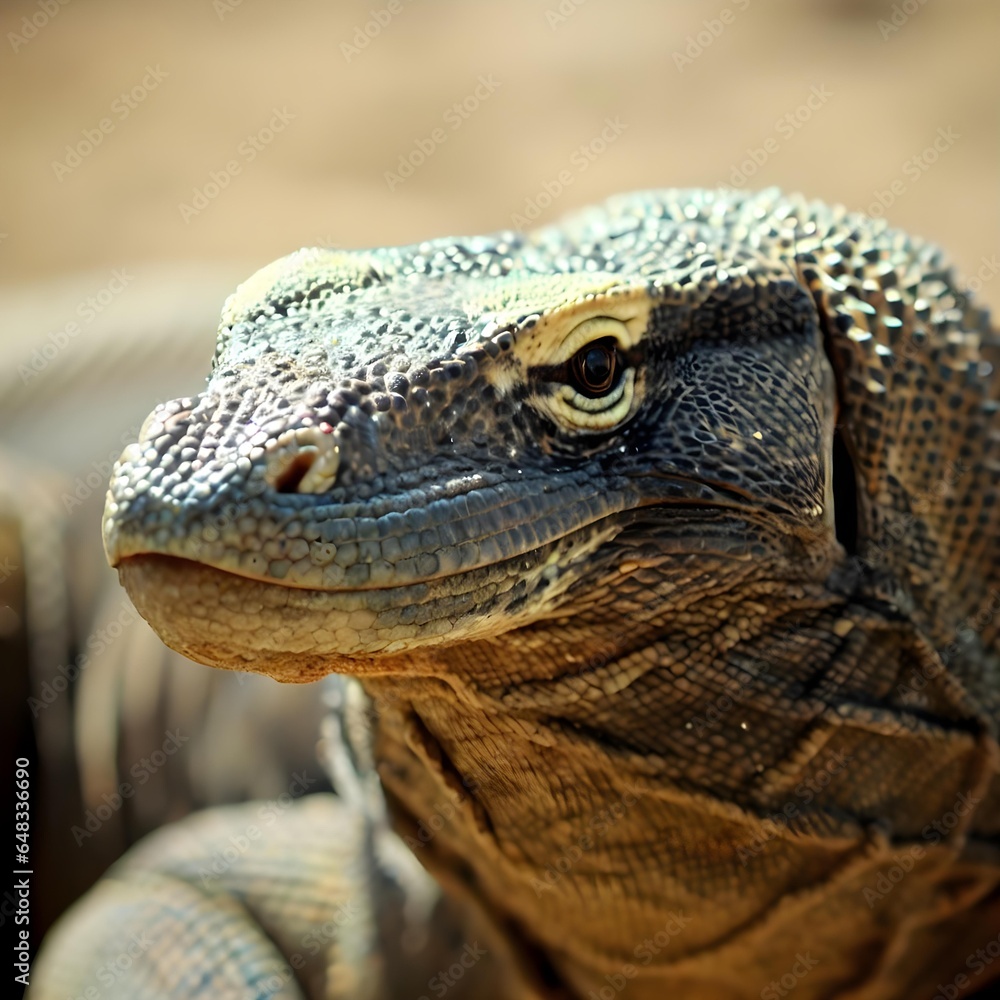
{"x":561,"y":68}
{"x":234,"y":131}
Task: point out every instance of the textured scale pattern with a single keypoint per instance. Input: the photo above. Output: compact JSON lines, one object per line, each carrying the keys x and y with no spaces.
{"x":661,"y":685}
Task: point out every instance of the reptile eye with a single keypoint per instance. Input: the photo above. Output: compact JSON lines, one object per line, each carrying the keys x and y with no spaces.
{"x":589,"y":386}
{"x":594,"y":368}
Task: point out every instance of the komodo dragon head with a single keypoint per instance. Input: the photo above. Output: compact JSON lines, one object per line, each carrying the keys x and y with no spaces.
{"x":665,"y":540}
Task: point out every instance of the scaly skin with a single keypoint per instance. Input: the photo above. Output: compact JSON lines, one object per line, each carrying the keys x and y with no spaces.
{"x":621,"y":620}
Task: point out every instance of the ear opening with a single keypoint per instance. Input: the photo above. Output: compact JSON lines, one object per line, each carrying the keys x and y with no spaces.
{"x":845,"y":494}
{"x":846,"y":509}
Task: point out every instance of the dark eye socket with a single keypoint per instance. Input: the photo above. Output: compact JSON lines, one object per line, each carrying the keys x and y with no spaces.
{"x":594,"y":368}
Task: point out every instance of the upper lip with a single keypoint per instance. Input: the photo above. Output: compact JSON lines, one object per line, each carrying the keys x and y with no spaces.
{"x":676,"y":489}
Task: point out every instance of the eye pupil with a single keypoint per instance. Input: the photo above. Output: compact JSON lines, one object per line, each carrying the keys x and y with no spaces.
{"x":595,"y":367}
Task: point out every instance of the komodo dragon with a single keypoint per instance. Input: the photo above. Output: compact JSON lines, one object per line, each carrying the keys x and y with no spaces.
{"x":663,"y":543}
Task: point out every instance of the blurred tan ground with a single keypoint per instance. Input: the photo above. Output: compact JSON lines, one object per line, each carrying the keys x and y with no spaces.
{"x":322,"y":179}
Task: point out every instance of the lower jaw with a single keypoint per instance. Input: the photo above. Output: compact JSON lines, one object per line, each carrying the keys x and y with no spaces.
{"x":297,"y":635}
{"x":227,"y":621}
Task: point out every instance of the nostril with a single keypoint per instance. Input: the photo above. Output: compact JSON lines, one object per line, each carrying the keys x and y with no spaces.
{"x":290,"y":479}
{"x":303,"y":460}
